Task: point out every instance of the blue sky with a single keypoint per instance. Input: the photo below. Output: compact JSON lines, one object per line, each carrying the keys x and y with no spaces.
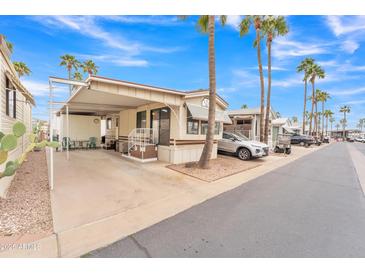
{"x":167,"y":52}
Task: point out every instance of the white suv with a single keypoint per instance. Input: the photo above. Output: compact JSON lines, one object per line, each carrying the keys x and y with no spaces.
{"x":242,"y":146}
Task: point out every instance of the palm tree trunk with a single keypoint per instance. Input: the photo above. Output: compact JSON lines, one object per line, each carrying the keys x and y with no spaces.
{"x":266,"y":137}
{"x":312,"y":111}
{"x":344,"y":125}
{"x":327,"y":126}
{"x":305,"y":104}
{"x":262,"y":100}
{"x":69,"y":78}
{"x":208,"y":146}
{"x":316,"y":118}
{"x":322,"y":118}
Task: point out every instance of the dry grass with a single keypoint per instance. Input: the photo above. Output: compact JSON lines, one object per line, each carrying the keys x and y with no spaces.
{"x":221,"y":167}
{"x":27,"y":208}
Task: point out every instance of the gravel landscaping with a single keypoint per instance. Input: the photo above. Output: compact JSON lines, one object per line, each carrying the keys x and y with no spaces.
{"x":27,"y":208}
{"x":221,"y":167}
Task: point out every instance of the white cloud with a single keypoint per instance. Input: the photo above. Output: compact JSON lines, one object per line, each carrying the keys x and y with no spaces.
{"x":284,"y":47}
{"x":89,"y":26}
{"x":350,"y":46}
{"x":234,"y":21}
{"x":347,"y":92}
{"x":149,"y":20}
{"x":341,"y":25}
{"x":40,"y":88}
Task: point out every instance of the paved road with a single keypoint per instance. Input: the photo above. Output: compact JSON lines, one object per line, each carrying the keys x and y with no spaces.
{"x":313,"y":207}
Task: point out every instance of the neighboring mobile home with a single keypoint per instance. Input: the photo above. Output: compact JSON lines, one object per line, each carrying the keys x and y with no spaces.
{"x":143,"y":122}
{"x":15,"y":105}
{"x":247,"y":122}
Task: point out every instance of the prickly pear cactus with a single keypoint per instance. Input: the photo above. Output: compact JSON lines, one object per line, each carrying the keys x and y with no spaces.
{"x":19,"y":129}
{"x":9,"y":142}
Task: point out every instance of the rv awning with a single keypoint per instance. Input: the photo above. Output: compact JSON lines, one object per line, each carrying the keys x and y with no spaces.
{"x":288,"y":129}
{"x":201,"y":113}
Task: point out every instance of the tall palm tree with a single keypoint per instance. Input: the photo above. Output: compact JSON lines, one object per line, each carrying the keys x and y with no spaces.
{"x":70,"y":62}
{"x":362,"y":123}
{"x":332,"y":120}
{"x":256,"y":21}
{"x":272,"y":27}
{"x":327,"y":114}
{"x":323,"y":97}
{"x":304,"y":67}
{"x":77,"y":76}
{"x":206,"y":24}
{"x":21,"y":68}
{"x":314,"y":72}
{"x":344,"y":109}
{"x":337,"y":127}
{"x":90,"y":67}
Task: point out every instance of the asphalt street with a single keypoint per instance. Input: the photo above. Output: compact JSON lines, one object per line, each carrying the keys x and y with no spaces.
{"x":313,"y":207}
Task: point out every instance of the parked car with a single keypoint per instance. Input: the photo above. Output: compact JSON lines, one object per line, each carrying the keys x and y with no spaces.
{"x":360,"y":139}
{"x":303,"y":140}
{"x":242,"y":147}
{"x":350,"y":139}
{"x":326,"y":139}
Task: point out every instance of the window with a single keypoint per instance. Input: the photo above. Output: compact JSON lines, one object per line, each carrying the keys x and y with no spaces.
{"x":141,"y":119}
{"x":108,"y":123}
{"x":10,"y":99}
{"x":204,"y":128}
{"x":192,"y":126}
{"x":239,"y":122}
{"x":117,"y":122}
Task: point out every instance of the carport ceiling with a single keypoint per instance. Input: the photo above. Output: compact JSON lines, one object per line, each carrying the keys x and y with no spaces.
{"x":89,"y":96}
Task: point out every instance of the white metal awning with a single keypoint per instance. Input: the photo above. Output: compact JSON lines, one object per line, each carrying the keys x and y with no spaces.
{"x":288,"y":129}
{"x":201,"y":113}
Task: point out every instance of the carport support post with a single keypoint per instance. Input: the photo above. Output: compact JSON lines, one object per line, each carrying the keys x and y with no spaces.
{"x":67,"y":133}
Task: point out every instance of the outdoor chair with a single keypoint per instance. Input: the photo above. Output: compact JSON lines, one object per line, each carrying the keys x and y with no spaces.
{"x":71,"y":144}
{"x":92,"y":142}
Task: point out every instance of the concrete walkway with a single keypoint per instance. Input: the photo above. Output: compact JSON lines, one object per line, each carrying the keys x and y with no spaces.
{"x":313,"y":207}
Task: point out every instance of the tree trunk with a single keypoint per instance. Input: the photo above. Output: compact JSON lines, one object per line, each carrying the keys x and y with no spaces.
{"x":322,"y":118}
{"x":344,"y":125}
{"x":327,"y":126}
{"x":316,"y":118}
{"x":262,"y":100}
{"x":208,"y":146}
{"x":69,"y":78}
{"x":312,"y":111}
{"x":305,"y":104}
{"x":266,"y":137}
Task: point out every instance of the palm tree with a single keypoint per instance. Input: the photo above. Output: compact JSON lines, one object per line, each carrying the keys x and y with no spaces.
{"x":90,"y":67}
{"x":206,"y":24}
{"x":272,"y":27}
{"x":294,"y":119}
{"x":304,"y":67}
{"x":256,"y":21}
{"x":332,"y":120}
{"x":328,"y":114}
{"x":337,"y":127}
{"x":70,"y":62}
{"x":314,"y":72}
{"x":21,"y":68}
{"x":244,"y":106}
{"x":77,"y":76}
{"x":323,"y":97}
{"x":361,"y":123}
{"x":344,"y":109}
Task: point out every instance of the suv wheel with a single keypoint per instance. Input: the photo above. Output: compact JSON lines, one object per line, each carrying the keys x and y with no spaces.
{"x":244,"y":154}
{"x":301,"y":143}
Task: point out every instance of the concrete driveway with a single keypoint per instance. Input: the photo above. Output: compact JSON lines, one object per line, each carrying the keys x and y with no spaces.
{"x":100,"y":197}
{"x":313,"y":207}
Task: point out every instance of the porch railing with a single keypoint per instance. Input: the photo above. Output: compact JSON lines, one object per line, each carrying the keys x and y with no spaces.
{"x":141,"y":137}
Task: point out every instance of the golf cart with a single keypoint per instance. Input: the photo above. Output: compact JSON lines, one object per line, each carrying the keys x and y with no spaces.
{"x":282,"y":144}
